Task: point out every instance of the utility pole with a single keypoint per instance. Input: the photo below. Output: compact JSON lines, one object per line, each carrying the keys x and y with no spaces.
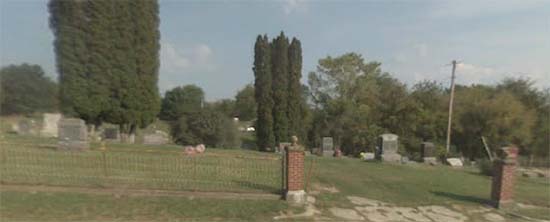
{"x":451,"y":107}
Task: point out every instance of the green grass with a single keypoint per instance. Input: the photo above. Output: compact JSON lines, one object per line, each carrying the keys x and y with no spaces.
{"x":163,"y":167}
{"x":28,"y":160}
{"x":43,"y":206}
{"x":414,"y":185}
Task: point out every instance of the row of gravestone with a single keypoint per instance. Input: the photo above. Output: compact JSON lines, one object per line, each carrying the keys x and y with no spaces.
{"x":73,"y":133}
{"x":386,"y":149}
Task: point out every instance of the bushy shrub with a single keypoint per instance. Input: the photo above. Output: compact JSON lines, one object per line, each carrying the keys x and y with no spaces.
{"x":485,"y":167}
{"x":209,"y":127}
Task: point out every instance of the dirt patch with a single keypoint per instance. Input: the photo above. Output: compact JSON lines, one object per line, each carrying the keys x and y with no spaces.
{"x":118,"y":193}
{"x":493,"y":217}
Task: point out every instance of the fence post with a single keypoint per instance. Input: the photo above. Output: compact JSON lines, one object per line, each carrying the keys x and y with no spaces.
{"x":503,"y":179}
{"x":295,"y":174}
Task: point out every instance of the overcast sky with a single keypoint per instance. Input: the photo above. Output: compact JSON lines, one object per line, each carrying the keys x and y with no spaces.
{"x":210,"y":43}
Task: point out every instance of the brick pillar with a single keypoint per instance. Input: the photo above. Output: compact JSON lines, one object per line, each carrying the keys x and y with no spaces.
{"x":295,"y":175}
{"x":503,"y":179}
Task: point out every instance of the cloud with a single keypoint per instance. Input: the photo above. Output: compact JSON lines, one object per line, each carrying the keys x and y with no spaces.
{"x":476,"y":74}
{"x":174,"y":59}
{"x":290,"y":6}
{"x":474,"y":8}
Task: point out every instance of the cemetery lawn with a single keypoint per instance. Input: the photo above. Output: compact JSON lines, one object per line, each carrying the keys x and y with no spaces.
{"x":46,"y":206}
{"x":419,"y":185}
{"x":402,"y":185}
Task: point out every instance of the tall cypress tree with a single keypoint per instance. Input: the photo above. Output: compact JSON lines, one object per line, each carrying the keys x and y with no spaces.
{"x":295,"y":99}
{"x":279,"y":64}
{"x":107,"y":56}
{"x":69,"y":27}
{"x":147,"y":46}
{"x":263,"y":93}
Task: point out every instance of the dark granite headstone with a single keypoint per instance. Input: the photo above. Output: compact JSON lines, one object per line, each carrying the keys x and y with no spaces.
{"x":111,"y":134}
{"x":427,"y":149}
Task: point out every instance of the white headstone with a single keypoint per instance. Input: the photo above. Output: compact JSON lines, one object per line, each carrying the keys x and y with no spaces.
{"x":454,"y":162}
{"x":49,"y":125}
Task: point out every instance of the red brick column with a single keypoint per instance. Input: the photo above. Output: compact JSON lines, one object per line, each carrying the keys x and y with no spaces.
{"x":295,"y":170}
{"x":503,"y":179}
{"x":295,"y":175}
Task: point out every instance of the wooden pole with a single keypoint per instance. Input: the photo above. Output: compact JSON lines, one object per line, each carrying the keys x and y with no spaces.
{"x":451,"y":107}
{"x":487,"y":148}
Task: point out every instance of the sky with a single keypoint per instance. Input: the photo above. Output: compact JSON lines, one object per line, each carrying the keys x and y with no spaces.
{"x":210,"y":43}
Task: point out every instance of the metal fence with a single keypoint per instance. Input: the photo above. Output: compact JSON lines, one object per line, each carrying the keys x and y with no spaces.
{"x":140,"y":170}
{"x":539,"y":162}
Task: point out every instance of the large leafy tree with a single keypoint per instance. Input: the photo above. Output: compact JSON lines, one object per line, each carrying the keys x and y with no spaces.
{"x":24,"y":89}
{"x":500,"y":117}
{"x":537,"y":101}
{"x":263,"y":93}
{"x":345,"y":91}
{"x":280,"y":86}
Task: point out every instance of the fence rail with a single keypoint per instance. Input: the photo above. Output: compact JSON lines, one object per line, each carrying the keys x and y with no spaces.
{"x":140,"y":170}
{"x":540,"y":162}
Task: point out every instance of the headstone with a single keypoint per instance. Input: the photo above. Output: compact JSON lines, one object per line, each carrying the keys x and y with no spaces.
{"x":367,"y":156}
{"x":73,"y":134}
{"x":428,"y":153}
{"x":454,"y":162}
{"x":111,"y":133}
{"x":157,"y":138}
{"x":427,"y":149}
{"x":387,"y":148}
{"x":49,"y":125}
{"x":327,"y":147}
{"x":24,"y":127}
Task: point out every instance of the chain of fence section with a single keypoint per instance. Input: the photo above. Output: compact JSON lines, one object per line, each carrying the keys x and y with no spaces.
{"x":23,"y":164}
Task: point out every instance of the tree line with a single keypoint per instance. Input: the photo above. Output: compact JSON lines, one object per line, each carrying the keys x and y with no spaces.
{"x":354,"y":101}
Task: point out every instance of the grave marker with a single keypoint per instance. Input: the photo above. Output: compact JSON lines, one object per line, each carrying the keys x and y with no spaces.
{"x":387,"y":148}
{"x":73,"y":135}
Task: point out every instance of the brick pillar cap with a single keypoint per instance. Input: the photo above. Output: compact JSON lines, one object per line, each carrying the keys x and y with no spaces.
{"x":295,"y":148}
{"x":508,"y":152}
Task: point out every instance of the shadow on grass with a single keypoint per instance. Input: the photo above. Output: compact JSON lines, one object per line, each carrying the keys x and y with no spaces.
{"x":259,"y":187}
{"x":462,"y":197}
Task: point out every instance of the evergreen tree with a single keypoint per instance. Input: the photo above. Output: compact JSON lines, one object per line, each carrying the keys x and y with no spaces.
{"x":107,"y":57}
{"x":147,"y":46}
{"x":69,"y":26}
{"x":295,"y":99}
{"x":279,"y":67}
{"x":263,"y":93}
